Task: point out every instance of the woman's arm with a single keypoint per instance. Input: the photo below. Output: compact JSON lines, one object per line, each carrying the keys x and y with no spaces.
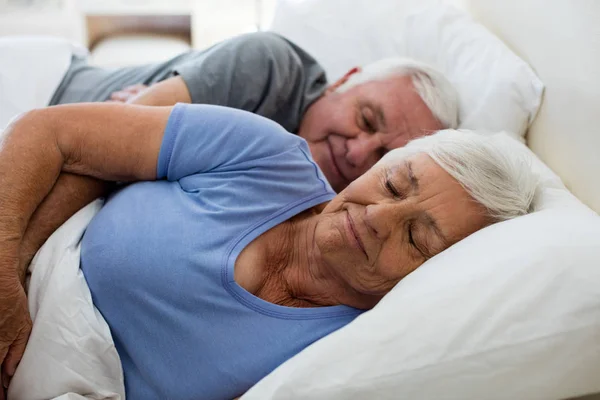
{"x":70,"y":194}
{"x":103,"y":141}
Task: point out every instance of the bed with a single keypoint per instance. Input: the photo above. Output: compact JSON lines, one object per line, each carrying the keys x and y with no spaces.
{"x":561,"y":42}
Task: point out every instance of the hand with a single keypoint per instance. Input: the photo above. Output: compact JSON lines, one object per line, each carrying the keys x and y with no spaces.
{"x":126,"y":94}
{"x":15,"y":327}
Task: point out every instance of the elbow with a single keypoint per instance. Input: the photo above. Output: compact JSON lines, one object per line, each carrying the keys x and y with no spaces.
{"x":28,"y":117}
{"x":30,"y":134}
{"x":27,"y":121}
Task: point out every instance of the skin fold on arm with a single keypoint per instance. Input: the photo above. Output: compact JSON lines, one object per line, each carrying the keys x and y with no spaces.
{"x":72,"y":192}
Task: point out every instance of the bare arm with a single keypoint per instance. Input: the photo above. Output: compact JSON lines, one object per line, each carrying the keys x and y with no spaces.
{"x":102,"y":141}
{"x":72,"y":192}
{"x":69,"y":194}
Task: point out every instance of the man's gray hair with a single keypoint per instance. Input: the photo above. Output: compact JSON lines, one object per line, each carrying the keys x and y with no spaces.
{"x":488,"y":168}
{"x":435,"y":90}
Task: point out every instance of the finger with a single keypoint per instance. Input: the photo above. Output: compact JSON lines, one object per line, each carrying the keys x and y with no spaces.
{"x":5,"y":380}
{"x":118,"y":100}
{"x":3,"y":352}
{"x":135,"y":88}
{"x":16,"y":350}
{"x":2,"y":393}
{"x":119,"y":96}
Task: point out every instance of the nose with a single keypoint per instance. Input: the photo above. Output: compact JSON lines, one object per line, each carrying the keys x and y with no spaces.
{"x":363,"y":151}
{"x":383,"y":218}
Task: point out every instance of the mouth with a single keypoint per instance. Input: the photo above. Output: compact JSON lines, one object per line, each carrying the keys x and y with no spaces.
{"x":354,"y":234}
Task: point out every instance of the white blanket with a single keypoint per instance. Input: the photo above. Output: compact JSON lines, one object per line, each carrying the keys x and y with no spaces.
{"x":31,"y":68}
{"x":70,"y":354}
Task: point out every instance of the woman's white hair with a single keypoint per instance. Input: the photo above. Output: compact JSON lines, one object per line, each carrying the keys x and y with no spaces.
{"x":487,"y":167}
{"x":435,"y":90}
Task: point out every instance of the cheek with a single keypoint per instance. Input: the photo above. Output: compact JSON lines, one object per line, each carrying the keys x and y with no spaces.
{"x":329,"y":240}
{"x":395,"y":261}
{"x":343,"y":119}
{"x":315,"y":125}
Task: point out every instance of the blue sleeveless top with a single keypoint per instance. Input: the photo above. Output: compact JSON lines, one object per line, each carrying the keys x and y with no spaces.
{"x":159,"y":258}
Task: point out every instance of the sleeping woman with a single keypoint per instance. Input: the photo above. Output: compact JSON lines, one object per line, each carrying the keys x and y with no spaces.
{"x":231,"y":253}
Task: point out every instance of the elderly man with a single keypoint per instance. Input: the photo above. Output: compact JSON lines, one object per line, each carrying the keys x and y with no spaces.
{"x":348,"y":125}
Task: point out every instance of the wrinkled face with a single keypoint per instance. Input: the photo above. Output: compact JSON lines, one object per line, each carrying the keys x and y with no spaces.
{"x":349,"y":132}
{"x":392,"y":219}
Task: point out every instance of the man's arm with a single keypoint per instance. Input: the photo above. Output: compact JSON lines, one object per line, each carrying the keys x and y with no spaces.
{"x":166,"y":93}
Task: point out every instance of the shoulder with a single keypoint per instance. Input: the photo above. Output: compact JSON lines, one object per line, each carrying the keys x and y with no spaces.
{"x":205,"y":138}
{"x":265,"y":43}
{"x":227,"y":136}
{"x":267,"y":53}
{"x":215,"y":121}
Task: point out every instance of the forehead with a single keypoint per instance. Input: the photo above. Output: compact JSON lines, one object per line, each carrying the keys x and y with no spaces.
{"x":439,"y":196}
{"x":405,"y":113}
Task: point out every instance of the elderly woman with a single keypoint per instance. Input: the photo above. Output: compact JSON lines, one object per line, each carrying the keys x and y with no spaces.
{"x":236,"y":253}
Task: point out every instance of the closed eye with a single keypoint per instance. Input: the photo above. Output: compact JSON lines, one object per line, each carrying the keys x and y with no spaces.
{"x":390,"y":188}
{"x":412,"y":241}
{"x":368,"y":124}
{"x":410,"y":236}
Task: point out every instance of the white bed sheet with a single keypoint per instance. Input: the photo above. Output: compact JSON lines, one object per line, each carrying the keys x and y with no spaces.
{"x":70,"y":354}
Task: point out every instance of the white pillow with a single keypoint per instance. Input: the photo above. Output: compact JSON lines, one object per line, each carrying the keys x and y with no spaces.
{"x":497,"y":90}
{"x":342,"y":34}
{"x":511,"y":312}
{"x":31,"y":68}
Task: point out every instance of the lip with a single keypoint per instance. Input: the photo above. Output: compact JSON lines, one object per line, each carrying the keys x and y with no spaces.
{"x":354,"y":234}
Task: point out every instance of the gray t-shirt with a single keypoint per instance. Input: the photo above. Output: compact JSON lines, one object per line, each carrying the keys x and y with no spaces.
{"x":259,"y":72}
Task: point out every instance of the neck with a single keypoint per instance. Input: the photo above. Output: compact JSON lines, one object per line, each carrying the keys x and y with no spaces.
{"x":295,"y":274}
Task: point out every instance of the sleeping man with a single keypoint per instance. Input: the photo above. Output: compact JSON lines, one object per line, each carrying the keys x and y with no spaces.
{"x":349,"y":125}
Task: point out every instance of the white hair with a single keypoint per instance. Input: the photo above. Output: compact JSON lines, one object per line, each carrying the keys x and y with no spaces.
{"x":487,"y":167}
{"x":435,"y":90}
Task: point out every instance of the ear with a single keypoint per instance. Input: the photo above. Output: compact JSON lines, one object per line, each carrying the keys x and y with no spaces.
{"x":333,"y":87}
